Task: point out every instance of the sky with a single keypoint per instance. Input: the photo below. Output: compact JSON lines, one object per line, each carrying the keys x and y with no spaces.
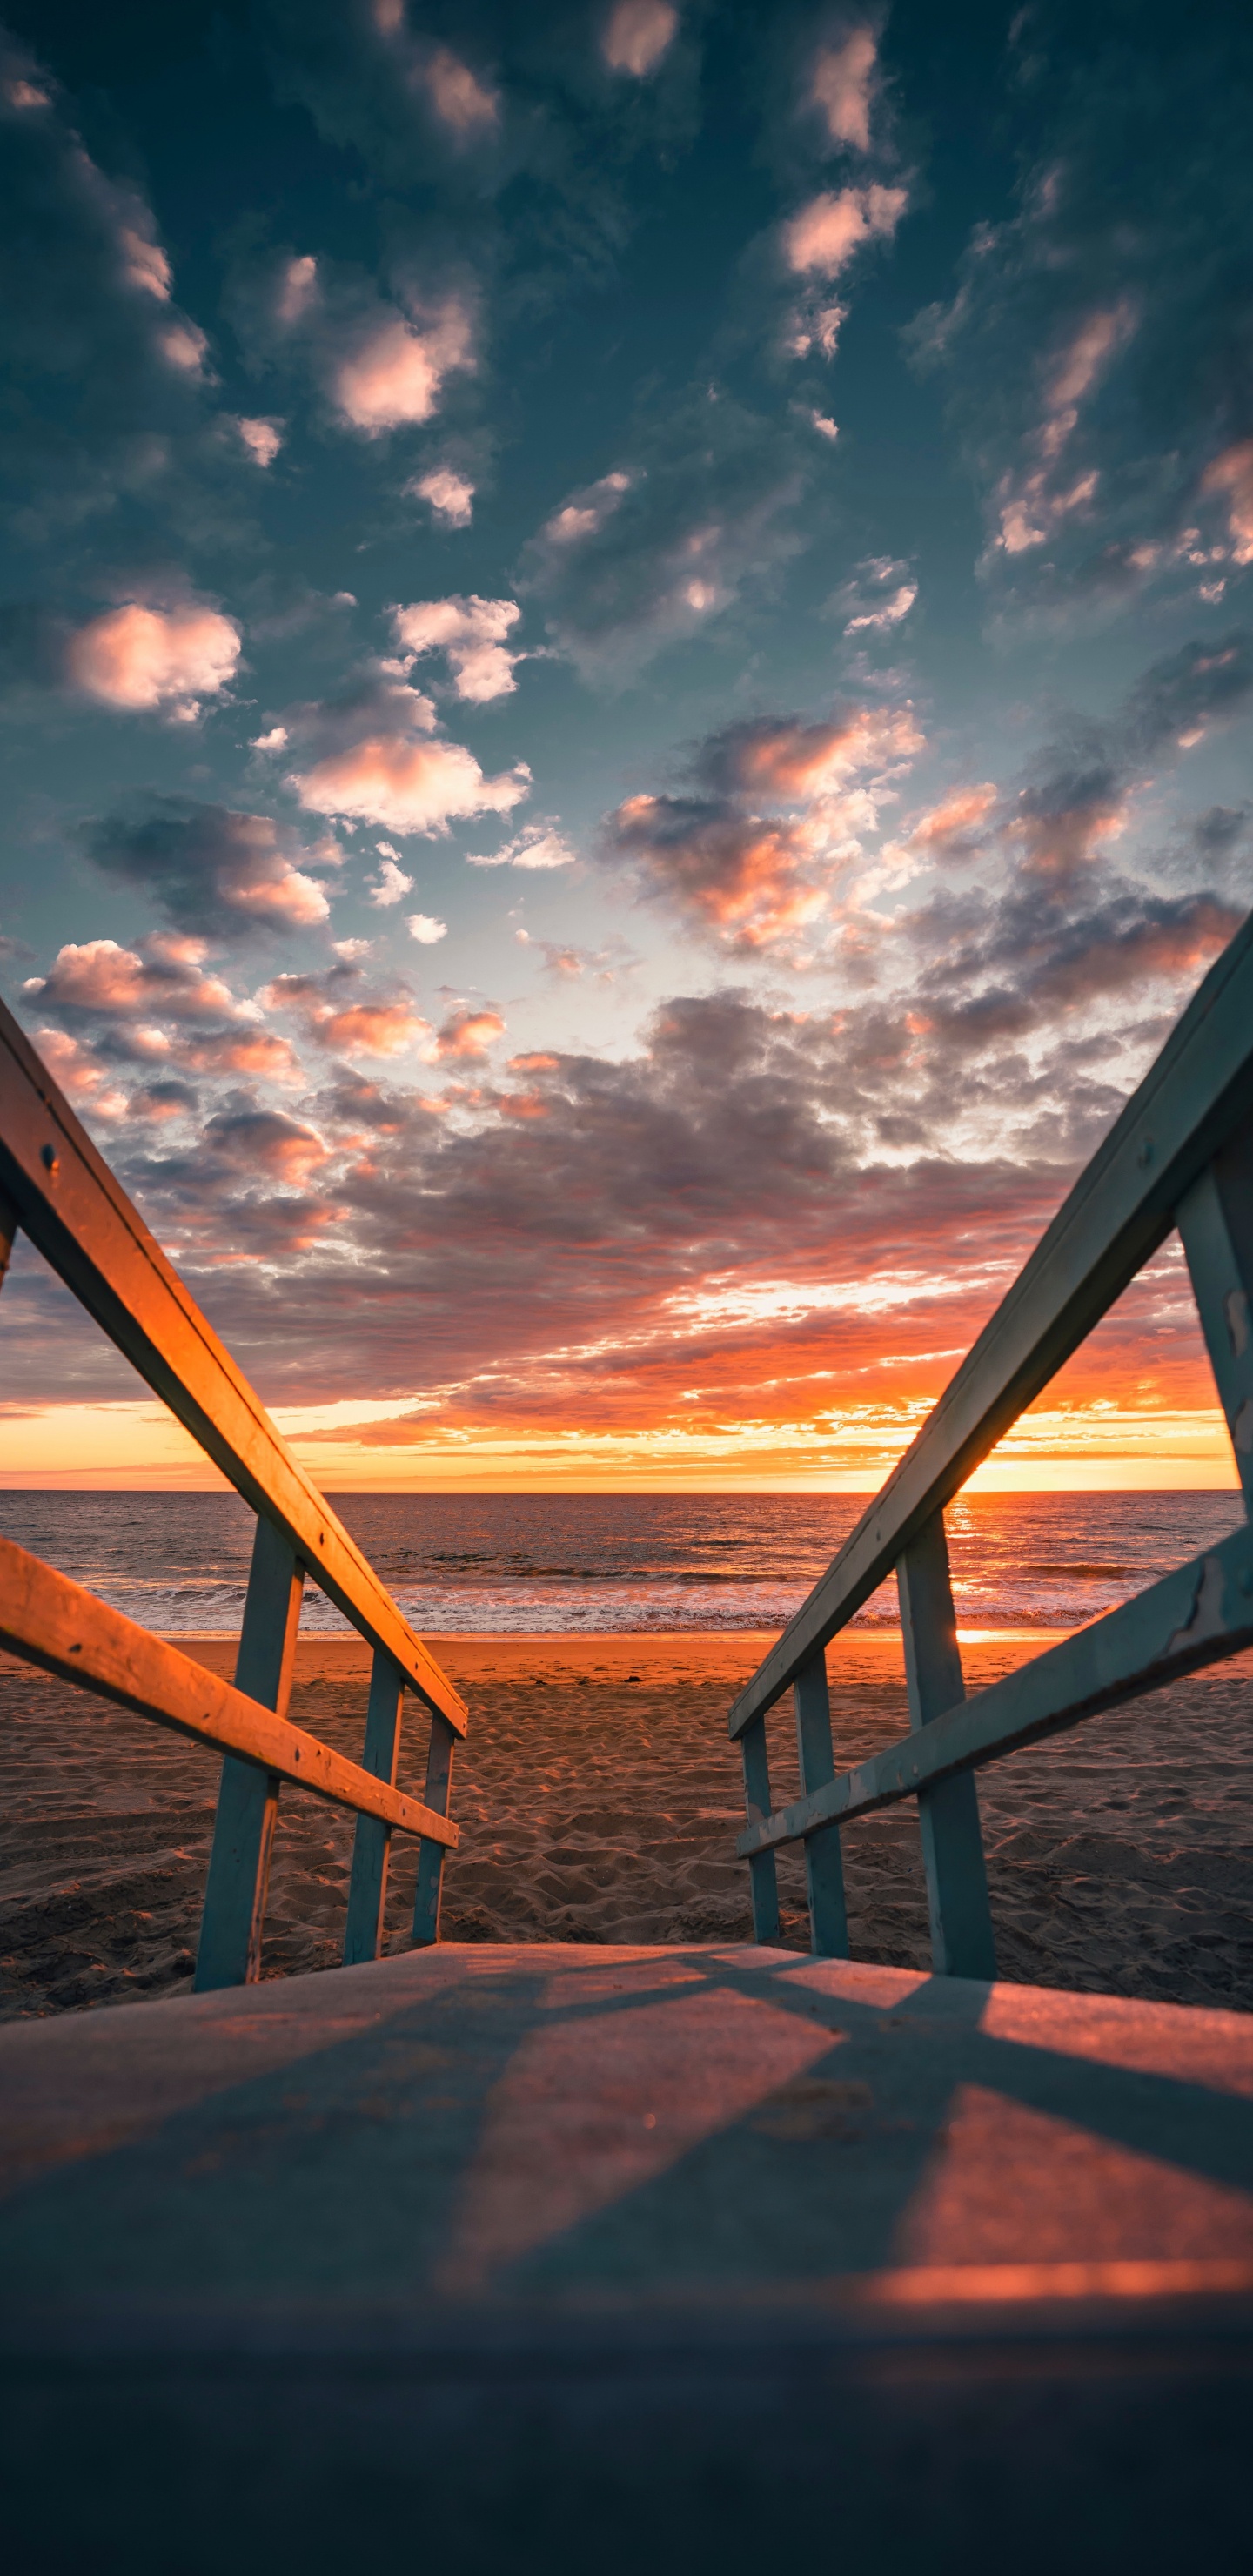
{"x":625,"y":678}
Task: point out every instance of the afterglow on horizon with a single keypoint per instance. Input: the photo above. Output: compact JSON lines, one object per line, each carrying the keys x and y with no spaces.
{"x":627,"y":665}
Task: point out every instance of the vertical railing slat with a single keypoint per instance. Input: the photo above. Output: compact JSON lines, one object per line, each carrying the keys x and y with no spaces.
{"x":824,"y":1863}
{"x":8,"y":1229}
{"x":371,"y":1850}
{"x":763,"y":1877}
{"x":436,"y":1794}
{"x":952,"y":1842}
{"x":1215,"y":1221}
{"x":243,"y":1833}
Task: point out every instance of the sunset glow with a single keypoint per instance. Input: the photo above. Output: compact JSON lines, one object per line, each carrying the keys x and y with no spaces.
{"x":628,"y":673}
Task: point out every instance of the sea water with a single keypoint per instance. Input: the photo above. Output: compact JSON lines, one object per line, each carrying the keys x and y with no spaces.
{"x":662,"y":1562}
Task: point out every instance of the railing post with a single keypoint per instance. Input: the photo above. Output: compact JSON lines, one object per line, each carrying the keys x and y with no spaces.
{"x":824,"y":1865}
{"x":243,"y":1835}
{"x":1215,"y":1221}
{"x":371,"y":1850}
{"x":8,"y":1228}
{"x":436,"y":1794}
{"x":763,"y":1877}
{"x":952,"y":1844}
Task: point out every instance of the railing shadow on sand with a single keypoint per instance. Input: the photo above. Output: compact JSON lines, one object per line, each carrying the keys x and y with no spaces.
{"x":59,"y":1190}
{"x":1180,"y":1155}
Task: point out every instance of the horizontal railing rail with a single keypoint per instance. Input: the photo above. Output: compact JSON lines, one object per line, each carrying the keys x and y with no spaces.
{"x":61,"y":1192}
{"x":54,"y":1623}
{"x":1180,"y":1154}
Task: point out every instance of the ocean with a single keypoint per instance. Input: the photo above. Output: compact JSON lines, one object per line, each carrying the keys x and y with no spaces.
{"x":513,"y":1563}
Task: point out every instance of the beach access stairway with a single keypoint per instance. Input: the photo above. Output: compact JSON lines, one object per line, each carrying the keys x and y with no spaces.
{"x":536,"y":2257}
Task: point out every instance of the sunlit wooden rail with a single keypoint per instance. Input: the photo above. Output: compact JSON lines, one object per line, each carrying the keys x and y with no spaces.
{"x":1180,"y":1155}
{"x":60,"y":1191}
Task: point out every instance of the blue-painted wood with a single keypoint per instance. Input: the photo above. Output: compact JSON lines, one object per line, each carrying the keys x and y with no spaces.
{"x":824,"y":1862}
{"x":1192,"y":1102}
{"x":1193,"y":1617}
{"x":436,"y":1794}
{"x":371,"y":1850}
{"x":1216,"y":1223}
{"x":948,"y":1812}
{"x":763,"y":1877}
{"x":243,"y":1834}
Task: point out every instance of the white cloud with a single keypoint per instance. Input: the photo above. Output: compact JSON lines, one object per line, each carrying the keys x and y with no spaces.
{"x":470,"y":633}
{"x":637,"y":36}
{"x":449,"y":495}
{"x":391,"y":884}
{"x":880,"y":595}
{"x":172,"y":659}
{"x":541,"y":846}
{"x":425,"y":929}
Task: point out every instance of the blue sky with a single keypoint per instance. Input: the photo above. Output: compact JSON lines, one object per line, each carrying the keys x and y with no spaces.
{"x":626,"y":671}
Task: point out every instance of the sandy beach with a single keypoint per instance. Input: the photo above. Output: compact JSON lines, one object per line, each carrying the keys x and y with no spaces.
{"x":599,"y":1798}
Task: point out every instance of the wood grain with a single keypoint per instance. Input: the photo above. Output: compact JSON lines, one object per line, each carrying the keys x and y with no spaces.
{"x":55,"y":1623}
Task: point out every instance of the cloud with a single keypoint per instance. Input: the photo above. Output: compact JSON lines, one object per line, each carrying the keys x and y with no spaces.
{"x":263,"y":1140}
{"x":637,"y":36}
{"x":380,"y":365}
{"x":335,"y":1015}
{"x":879,"y":596}
{"x":108,"y":404}
{"x":391,"y":885}
{"x":828,"y":232}
{"x":261,"y":438}
{"x":468,"y":1034}
{"x":539,"y":846}
{"x":841,"y":85}
{"x":163,"y":977}
{"x":752,"y":879}
{"x":424,"y":927}
{"x":449,"y":495}
{"x":1095,"y":348}
{"x":954,"y":829}
{"x":379,"y":758}
{"x":657,"y":550}
{"x":471,"y":634}
{"x":215,"y":871}
{"x":150,"y":658}
{"x":817,"y":244}
{"x":81,"y":1074}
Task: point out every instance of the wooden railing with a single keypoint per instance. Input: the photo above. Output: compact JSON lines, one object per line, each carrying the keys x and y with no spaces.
{"x":59,"y":1190}
{"x":1181,"y":1154}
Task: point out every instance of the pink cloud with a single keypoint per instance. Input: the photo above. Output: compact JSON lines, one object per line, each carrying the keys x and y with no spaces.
{"x":101,"y":977}
{"x":468,"y":1033}
{"x":392,"y":371}
{"x":823,"y":237}
{"x":80,"y":1074}
{"x":450,"y":496}
{"x":840,"y":87}
{"x":637,"y":36}
{"x":1231,"y":475}
{"x":951,"y":829}
{"x":407,"y":786}
{"x":136,"y":657}
{"x":471,"y":632}
{"x":458,"y":96}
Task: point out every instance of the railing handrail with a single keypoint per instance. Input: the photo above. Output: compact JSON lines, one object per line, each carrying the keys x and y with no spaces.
{"x":1119,"y":1211}
{"x":56,"y":1623}
{"x":78,"y":1216}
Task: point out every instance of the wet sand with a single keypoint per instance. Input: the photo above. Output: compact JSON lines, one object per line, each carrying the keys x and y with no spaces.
{"x":599,"y":1799}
